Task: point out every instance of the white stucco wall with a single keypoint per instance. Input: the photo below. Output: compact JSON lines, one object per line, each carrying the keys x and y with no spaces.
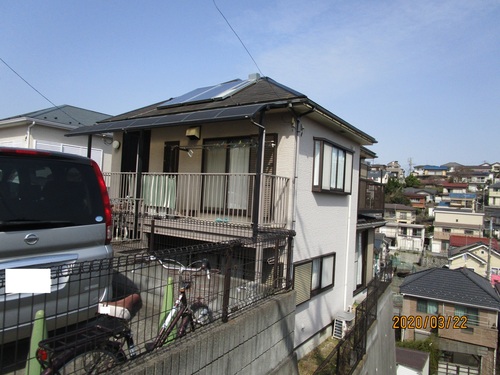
{"x":325,"y":223}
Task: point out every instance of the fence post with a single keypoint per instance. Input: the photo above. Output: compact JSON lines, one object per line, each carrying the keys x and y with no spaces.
{"x":39,"y":333}
{"x":167,"y":305}
{"x":152,"y":237}
{"x":227,"y":283}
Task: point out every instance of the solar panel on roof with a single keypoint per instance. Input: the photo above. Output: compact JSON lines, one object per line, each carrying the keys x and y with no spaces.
{"x":209,"y":93}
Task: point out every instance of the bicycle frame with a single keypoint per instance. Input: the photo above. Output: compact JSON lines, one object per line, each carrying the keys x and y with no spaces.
{"x":54,"y":353}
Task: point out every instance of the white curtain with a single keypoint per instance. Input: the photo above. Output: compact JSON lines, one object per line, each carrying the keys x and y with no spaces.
{"x":239,"y":159}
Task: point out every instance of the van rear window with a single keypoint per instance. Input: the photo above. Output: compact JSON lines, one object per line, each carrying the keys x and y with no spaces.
{"x":44,"y":192}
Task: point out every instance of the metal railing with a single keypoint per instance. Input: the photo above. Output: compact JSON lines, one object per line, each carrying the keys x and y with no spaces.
{"x":243,"y":272}
{"x":216,"y":197}
{"x":350,"y":350}
{"x":371,"y":196}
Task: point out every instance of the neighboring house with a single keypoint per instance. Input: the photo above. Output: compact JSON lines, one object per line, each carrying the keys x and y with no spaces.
{"x":45,"y":130}
{"x":475,"y":257}
{"x":494,"y":195}
{"x":395,"y":170}
{"x":382,"y":173}
{"x":425,"y":171}
{"x":421,"y":198}
{"x":461,"y":308}
{"x":454,"y":187}
{"x":401,"y":230}
{"x":368,"y":256}
{"x":417,"y":200}
{"x":459,"y":200}
{"x":232,"y":159}
{"x":459,"y":241}
{"x":450,"y":222}
{"x":412,"y":362}
{"x":400,"y":213}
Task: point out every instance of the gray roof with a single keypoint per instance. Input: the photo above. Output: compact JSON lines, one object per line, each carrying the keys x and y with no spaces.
{"x":414,"y":359}
{"x":256,"y":96}
{"x":65,"y":114}
{"x":397,"y":206}
{"x":461,"y":286}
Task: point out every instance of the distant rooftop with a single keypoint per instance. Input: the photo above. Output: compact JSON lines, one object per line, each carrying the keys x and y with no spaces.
{"x":461,"y":286}
{"x":65,"y":114}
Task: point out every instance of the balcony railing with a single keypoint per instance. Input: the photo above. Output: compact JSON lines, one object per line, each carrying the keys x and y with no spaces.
{"x":218,"y":197}
{"x":371,"y":196}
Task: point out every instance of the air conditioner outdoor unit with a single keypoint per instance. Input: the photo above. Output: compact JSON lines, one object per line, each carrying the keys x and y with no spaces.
{"x":342,"y":324}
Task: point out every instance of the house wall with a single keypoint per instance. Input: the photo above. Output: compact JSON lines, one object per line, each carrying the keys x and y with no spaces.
{"x":482,"y":335}
{"x":469,"y":262}
{"x":13,"y":136}
{"x":16,"y":136}
{"x":324,"y":223}
{"x":464,"y":218}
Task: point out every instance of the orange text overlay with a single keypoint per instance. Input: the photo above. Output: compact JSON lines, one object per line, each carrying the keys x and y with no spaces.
{"x":429,"y":321}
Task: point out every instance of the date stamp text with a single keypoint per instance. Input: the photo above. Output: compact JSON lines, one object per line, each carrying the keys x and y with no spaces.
{"x":429,"y":321}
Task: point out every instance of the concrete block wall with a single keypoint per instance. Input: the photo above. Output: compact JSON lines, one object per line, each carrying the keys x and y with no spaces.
{"x":258,"y":341}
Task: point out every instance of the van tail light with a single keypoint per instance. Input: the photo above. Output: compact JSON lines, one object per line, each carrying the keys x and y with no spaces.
{"x":105,"y":200}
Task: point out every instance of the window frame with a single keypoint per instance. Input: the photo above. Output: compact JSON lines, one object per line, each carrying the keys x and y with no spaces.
{"x":315,"y":269}
{"x":472,"y":314}
{"x":340,"y":175}
{"x":428,"y":303}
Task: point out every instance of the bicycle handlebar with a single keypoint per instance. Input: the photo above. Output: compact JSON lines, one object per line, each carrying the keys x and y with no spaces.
{"x":205,"y":265}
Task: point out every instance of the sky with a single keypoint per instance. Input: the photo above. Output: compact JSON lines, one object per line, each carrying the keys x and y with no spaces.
{"x":421,"y":77}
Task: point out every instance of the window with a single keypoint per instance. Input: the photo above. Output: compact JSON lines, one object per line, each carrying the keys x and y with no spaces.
{"x":313,"y":277}
{"x":471,"y":313}
{"x":332,"y":170}
{"x":446,"y":230}
{"x":427,"y":307}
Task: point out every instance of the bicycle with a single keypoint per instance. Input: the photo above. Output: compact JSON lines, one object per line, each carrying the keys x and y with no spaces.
{"x":100,"y":346}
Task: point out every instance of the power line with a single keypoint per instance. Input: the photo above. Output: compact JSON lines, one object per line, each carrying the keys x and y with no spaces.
{"x":37,"y":91}
{"x":237,"y":36}
{"x":245,"y":47}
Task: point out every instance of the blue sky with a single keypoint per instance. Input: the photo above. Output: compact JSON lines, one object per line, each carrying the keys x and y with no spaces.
{"x":421,"y":77}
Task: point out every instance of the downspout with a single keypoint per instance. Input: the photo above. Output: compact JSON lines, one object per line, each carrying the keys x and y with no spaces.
{"x":89,"y":146}
{"x":28,"y":134}
{"x":258,"y":175}
{"x":138,"y":182}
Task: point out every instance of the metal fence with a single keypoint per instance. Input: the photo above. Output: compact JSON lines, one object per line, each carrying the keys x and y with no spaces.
{"x":243,"y":272}
{"x":347,"y":354}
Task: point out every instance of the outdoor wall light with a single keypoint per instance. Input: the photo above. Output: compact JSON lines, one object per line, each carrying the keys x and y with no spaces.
{"x":116,"y":145}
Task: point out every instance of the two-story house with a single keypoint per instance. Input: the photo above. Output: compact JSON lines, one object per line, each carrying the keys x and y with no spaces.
{"x":450,"y":221}
{"x":461,"y":308}
{"x":478,"y":257}
{"x":232,"y":159}
{"x":45,"y":129}
{"x":401,"y":229}
{"x":426,"y":171}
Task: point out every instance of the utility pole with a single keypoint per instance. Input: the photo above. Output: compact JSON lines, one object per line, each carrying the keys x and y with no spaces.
{"x":488,"y":269}
{"x":410,"y":163}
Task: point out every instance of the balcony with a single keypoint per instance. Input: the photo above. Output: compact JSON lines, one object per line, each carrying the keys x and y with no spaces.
{"x":180,"y":201}
{"x":371,"y":196}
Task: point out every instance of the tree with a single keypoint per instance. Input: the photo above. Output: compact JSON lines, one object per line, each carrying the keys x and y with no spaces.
{"x":412,"y":181}
{"x":394,"y":192}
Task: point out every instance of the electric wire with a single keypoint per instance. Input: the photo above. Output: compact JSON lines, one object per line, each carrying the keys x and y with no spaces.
{"x":244,"y":46}
{"x":37,"y":91}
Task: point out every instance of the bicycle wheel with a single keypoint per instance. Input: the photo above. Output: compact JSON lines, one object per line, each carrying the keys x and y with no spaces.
{"x":201,"y":313}
{"x":96,"y":361}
